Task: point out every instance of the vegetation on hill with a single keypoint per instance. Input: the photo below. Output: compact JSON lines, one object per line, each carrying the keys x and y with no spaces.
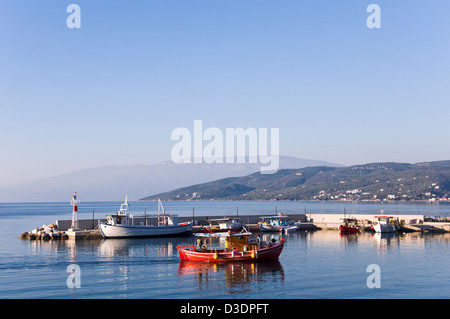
{"x":375,"y":181}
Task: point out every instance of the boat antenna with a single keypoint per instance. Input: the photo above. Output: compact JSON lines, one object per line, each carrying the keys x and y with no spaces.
{"x":159,"y":203}
{"x":145,"y":216}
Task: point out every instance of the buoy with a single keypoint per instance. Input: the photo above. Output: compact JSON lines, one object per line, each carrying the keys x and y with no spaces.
{"x":216,"y":256}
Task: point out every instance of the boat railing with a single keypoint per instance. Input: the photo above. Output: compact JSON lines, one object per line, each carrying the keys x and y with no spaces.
{"x":153,"y":215}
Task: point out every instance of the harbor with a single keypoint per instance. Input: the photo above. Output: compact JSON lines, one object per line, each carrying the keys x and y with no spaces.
{"x":89,"y":228}
{"x":124,"y":224}
{"x":319,"y":263}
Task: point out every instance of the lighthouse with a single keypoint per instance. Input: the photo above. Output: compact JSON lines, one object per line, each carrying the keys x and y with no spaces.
{"x":74,"y":203}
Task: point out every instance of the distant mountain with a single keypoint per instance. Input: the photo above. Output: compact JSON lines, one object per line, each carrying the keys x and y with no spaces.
{"x":375,"y":181}
{"x":116,"y":181}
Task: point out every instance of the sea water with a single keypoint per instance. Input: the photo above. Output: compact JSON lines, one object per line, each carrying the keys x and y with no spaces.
{"x":314,"y":264}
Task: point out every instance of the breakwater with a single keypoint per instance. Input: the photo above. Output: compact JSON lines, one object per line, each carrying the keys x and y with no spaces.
{"x":324,"y":221}
{"x":88,"y":228}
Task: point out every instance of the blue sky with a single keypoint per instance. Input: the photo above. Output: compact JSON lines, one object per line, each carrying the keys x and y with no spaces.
{"x":113,"y":91}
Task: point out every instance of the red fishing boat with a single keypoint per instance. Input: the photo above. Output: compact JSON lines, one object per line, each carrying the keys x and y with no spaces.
{"x":238,"y":247}
{"x":349,"y":226}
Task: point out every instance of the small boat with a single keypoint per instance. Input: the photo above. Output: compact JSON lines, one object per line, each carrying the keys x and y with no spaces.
{"x":223,"y":225}
{"x":385,"y":224}
{"x":277,"y":223}
{"x":120,"y":225}
{"x":349,"y":226}
{"x":238,"y":247}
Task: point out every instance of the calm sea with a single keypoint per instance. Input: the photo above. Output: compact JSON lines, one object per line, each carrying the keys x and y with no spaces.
{"x":320,"y":264}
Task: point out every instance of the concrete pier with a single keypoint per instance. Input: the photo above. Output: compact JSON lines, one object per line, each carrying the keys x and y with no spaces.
{"x":332,"y":221}
{"x":84,"y":234}
{"x":308,"y":221}
{"x":88,"y":227}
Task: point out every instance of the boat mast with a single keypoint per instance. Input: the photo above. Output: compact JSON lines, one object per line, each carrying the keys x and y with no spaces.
{"x":163,"y":222}
{"x":159,"y":219}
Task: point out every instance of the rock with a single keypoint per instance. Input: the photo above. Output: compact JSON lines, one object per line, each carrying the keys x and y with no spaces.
{"x":31,"y":236}
{"x":45,"y":236}
{"x":23,"y":235}
{"x":55,"y":235}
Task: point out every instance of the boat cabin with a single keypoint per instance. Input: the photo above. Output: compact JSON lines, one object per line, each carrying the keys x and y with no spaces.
{"x":225,"y":223}
{"x":384,"y":220}
{"x":237,"y":242}
{"x":121,"y":217}
{"x":349,"y":221}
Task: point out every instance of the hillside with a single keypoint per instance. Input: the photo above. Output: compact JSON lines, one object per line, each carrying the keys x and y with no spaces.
{"x":375,"y":181}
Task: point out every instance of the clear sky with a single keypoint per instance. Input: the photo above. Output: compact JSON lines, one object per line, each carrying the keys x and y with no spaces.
{"x":112,"y":91}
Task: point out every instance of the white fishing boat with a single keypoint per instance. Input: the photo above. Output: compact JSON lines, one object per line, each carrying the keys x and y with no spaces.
{"x":278,"y":223}
{"x":223,"y":225}
{"x":120,"y":225}
{"x":385,"y":224}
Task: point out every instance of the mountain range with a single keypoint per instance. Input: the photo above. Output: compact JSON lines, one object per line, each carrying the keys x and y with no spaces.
{"x":110,"y":183}
{"x":374,"y":181}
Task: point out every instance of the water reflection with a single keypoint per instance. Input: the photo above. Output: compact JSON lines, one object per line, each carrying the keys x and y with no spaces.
{"x":386,"y":241}
{"x":349,"y":238}
{"x":235,"y":274}
{"x":137,"y":248}
{"x":235,"y":277}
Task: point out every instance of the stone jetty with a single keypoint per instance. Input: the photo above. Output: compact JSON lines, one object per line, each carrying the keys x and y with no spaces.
{"x":46,"y":232}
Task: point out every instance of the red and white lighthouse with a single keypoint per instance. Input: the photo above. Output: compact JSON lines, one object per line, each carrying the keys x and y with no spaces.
{"x":74,"y":203}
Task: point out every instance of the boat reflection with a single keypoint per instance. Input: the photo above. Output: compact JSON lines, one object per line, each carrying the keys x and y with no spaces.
{"x":236,"y":274}
{"x":386,"y":241}
{"x":349,"y":238}
{"x":130,"y":247}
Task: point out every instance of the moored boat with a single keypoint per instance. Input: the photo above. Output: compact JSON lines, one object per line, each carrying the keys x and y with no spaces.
{"x":349,"y":226}
{"x":238,"y":247}
{"x":120,"y":225}
{"x":277,"y":223}
{"x":385,"y":224}
{"x":223,"y":225}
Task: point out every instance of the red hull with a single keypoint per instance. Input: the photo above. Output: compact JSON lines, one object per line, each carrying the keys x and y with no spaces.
{"x":189,"y":253}
{"x":348,"y":229}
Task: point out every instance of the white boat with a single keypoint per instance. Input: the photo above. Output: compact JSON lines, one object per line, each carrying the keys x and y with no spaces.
{"x":278,"y":223}
{"x":223,"y":225}
{"x":385,"y":225}
{"x":120,"y":225}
